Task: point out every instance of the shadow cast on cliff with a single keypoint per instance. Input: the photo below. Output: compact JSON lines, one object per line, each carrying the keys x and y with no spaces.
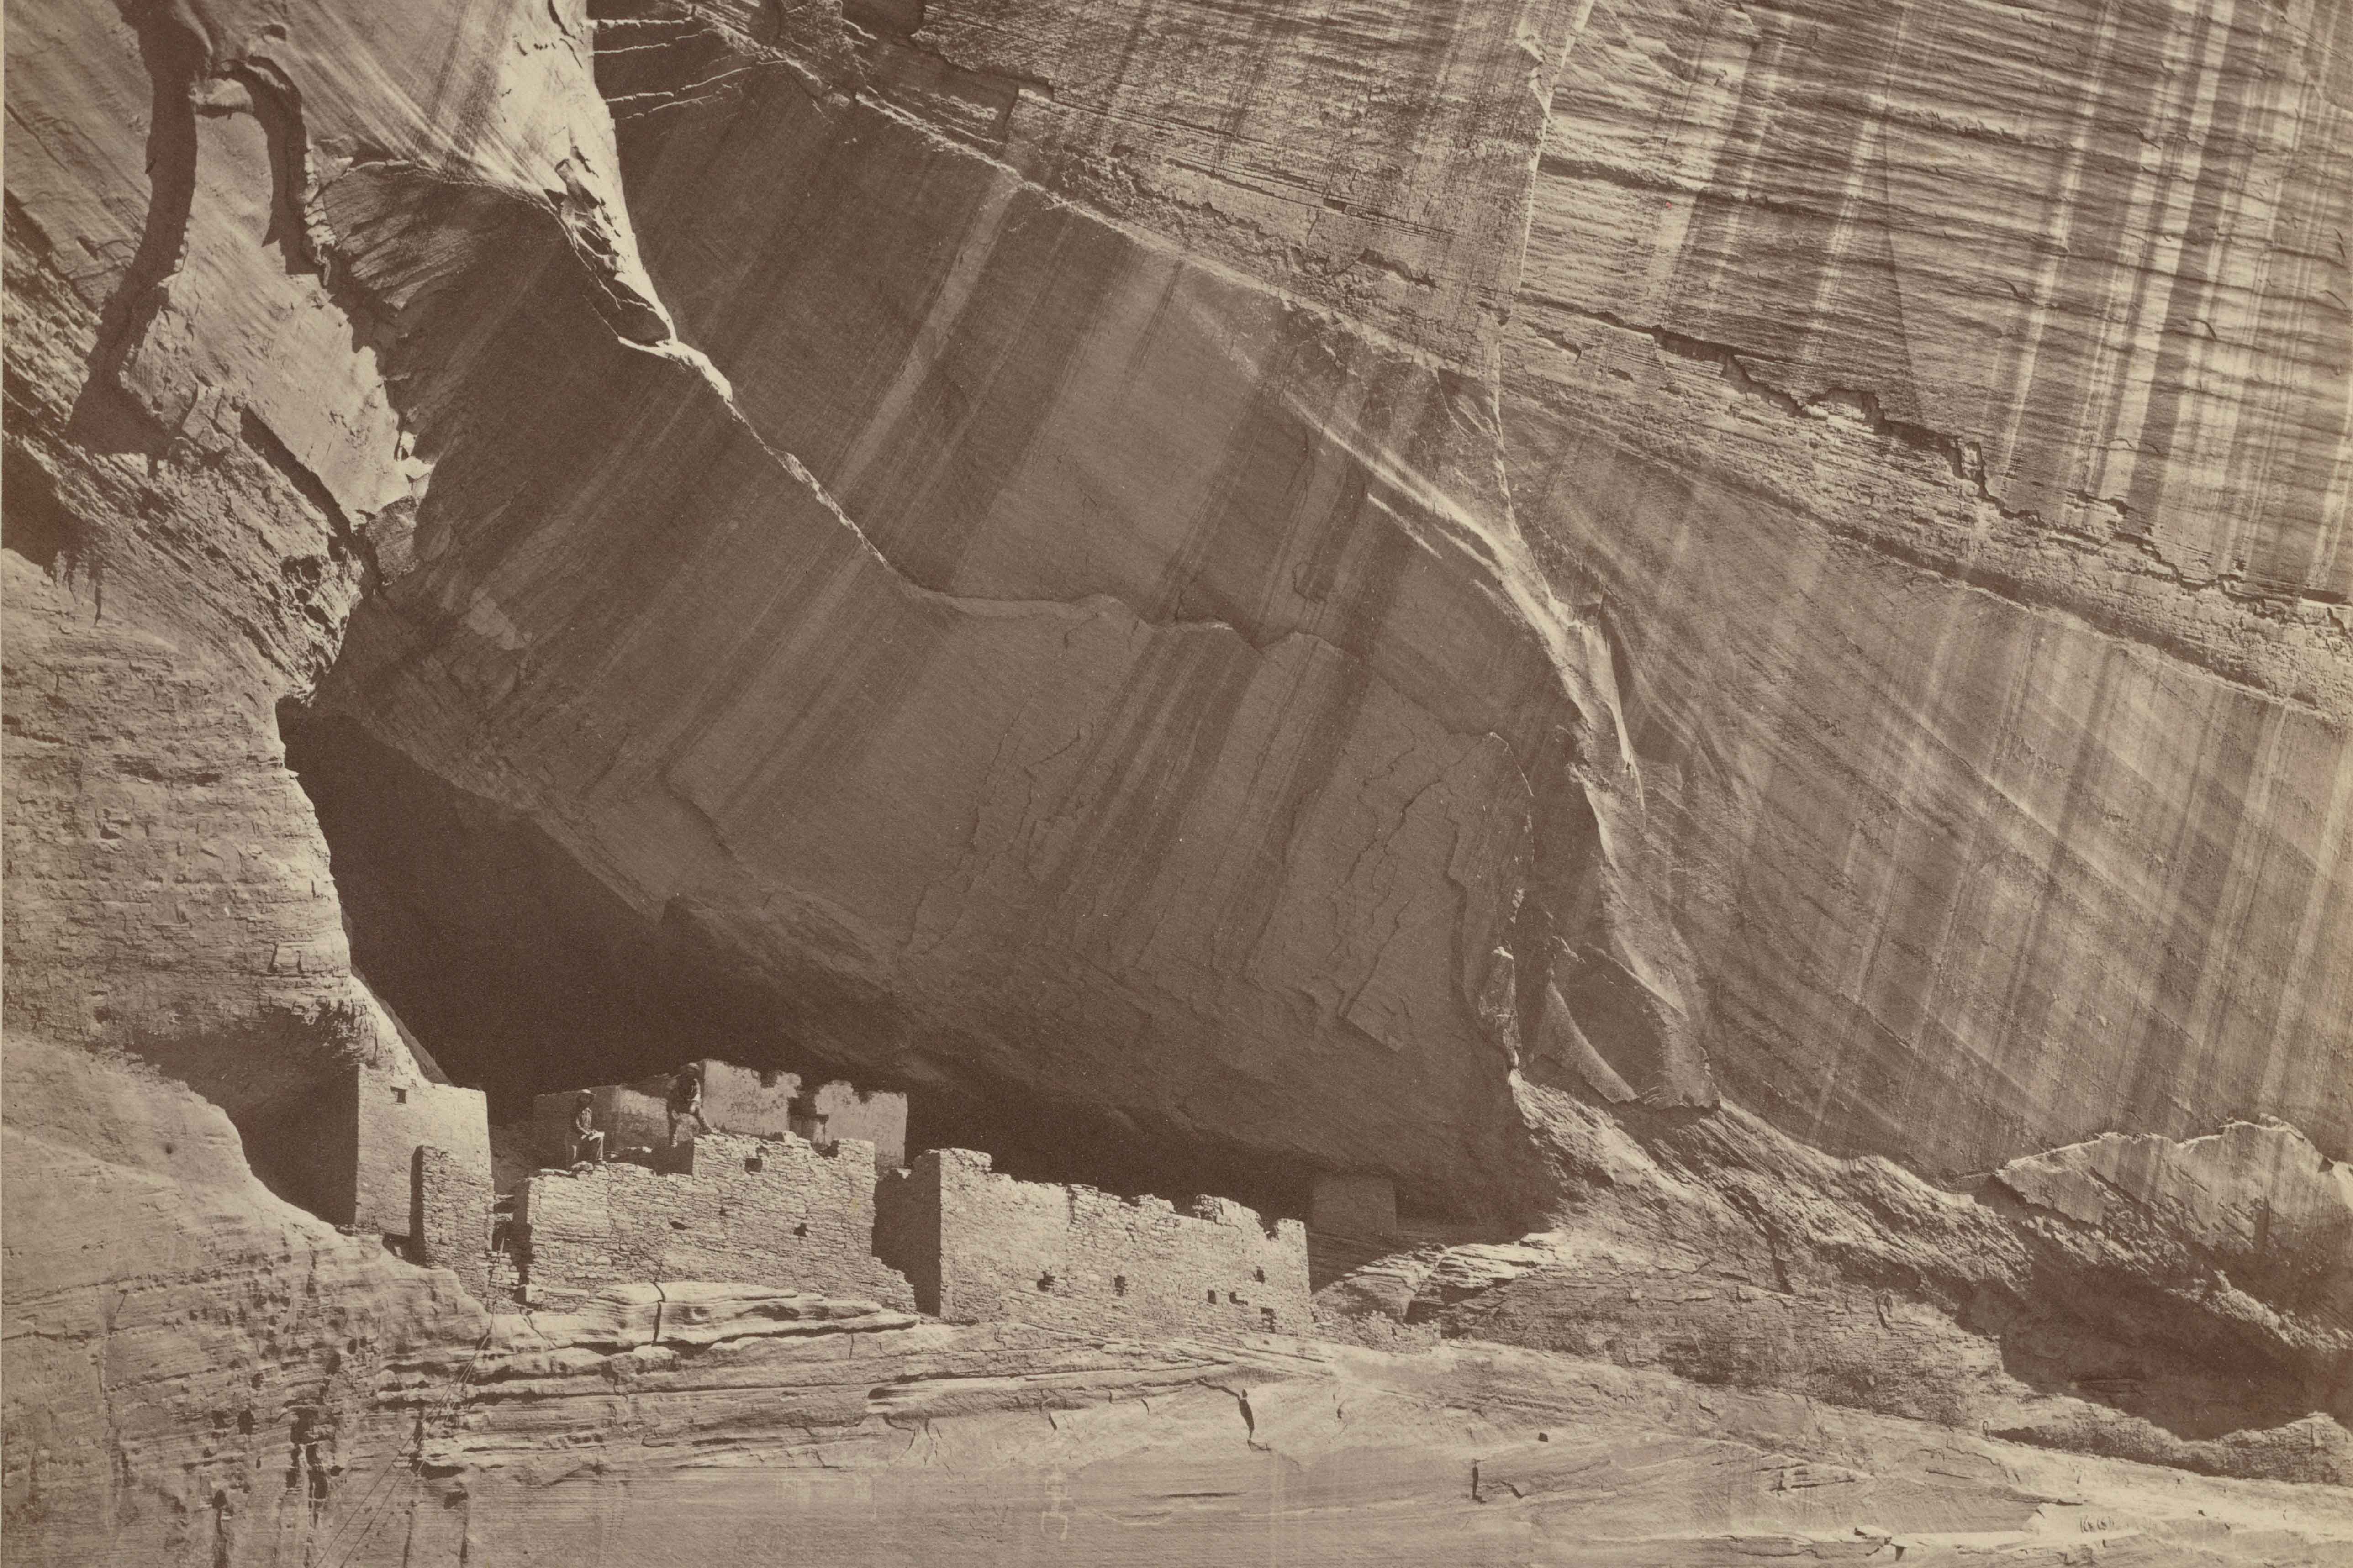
{"x":523,"y":973}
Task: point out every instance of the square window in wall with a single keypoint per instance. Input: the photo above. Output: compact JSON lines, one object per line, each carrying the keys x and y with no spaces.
{"x":400,"y":1096}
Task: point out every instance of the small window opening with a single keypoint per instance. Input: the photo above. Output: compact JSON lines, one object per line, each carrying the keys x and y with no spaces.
{"x":1268,"y":1314}
{"x":1119,"y":1284}
{"x":1236,"y":1298}
{"x":400,"y":1096}
{"x":1258,"y":1275}
{"x":801,"y":1229}
{"x":1213,"y":1298}
{"x":1045,"y":1283}
{"x":753,"y":1162}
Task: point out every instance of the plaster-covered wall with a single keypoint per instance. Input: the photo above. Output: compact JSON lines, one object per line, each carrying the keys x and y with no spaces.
{"x":877,"y":1116}
{"x":626,"y":1114}
{"x":393,"y":1114}
{"x":751,"y":1103}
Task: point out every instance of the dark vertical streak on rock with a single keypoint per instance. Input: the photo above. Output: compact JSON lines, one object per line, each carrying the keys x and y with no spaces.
{"x":178,"y":54}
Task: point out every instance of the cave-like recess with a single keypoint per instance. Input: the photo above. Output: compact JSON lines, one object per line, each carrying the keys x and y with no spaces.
{"x":521,"y":973}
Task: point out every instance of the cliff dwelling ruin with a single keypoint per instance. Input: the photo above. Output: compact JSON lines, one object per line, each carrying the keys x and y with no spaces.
{"x":1046,"y":782}
{"x":757,"y":1180}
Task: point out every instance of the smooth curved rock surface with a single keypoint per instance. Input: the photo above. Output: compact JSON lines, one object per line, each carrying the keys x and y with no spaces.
{"x":1674,"y":623}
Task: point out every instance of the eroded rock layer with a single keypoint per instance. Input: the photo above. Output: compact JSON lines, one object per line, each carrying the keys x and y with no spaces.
{"x":1711,"y":633}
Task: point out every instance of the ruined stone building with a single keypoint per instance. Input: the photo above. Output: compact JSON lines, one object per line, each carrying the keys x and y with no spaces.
{"x":775,"y":1184}
{"x":395,"y":1148}
{"x":780,"y":1212}
{"x":977,"y":1246}
{"x":804,"y":1190}
{"x":749,"y":1101}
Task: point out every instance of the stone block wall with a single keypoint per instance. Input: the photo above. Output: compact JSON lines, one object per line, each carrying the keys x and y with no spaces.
{"x":774,"y":1212}
{"x":980,"y":1247}
{"x":450,"y":1218}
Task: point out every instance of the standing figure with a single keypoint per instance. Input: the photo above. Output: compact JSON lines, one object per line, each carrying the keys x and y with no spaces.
{"x":686,"y":1101}
{"x":588,"y":1144}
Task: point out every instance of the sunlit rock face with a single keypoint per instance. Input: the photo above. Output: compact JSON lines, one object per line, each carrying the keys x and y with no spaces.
{"x":1714,"y":629}
{"x":1947,"y":413}
{"x":203,"y":460}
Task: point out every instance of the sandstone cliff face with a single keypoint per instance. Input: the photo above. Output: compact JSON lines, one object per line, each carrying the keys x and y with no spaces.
{"x":193,"y":1366}
{"x":1561,"y":576}
{"x":1065,"y":662}
{"x":203,"y":462}
{"x":1949,"y":411}
{"x":1664,"y":621}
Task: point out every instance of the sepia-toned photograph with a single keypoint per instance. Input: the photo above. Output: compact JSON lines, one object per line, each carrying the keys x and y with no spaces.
{"x":1059,"y":783}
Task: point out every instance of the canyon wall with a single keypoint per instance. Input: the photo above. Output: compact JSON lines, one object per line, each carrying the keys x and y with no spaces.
{"x":1712,"y":634}
{"x":1625,"y":551}
{"x":1947,"y":408}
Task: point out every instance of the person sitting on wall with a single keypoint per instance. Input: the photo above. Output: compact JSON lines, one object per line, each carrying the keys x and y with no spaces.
{"x":588,"y":1144}
{"x":686,"y":1101}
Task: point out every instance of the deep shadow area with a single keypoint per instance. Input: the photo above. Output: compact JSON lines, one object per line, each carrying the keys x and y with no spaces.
{"x":523,"y":973}
{"x":33,"y":522}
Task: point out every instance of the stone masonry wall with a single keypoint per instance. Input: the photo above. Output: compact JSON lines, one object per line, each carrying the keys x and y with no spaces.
{"x":774,"y":1212}
{"x":450,"y":1227}
{"x":1089,"y":1261}
{"x":395,"y":1113}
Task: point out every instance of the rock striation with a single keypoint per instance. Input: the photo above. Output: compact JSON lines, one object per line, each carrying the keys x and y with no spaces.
{"x":1948,"y":412}
{"x":1313,"y":649}
{"x":1707,"y":640}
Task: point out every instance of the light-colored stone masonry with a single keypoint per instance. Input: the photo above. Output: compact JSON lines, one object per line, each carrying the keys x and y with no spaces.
{"x":747,"y":1101}
{"x":777,"y":1212}
{"x":840,"y":1110}
{"x":979,"y":1247}
{"x":452,"y":1218}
